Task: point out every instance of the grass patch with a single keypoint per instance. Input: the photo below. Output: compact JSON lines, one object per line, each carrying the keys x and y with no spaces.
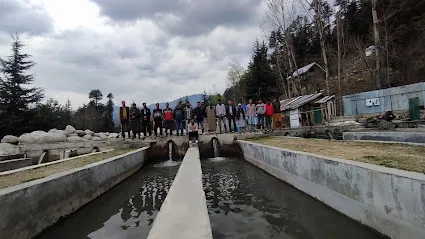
{"x":37,"y":173}
{"x":400,"y":156}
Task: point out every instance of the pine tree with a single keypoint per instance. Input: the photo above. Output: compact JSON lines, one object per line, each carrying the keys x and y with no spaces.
{"x":109,"y":110}
{"x":16,"y":97}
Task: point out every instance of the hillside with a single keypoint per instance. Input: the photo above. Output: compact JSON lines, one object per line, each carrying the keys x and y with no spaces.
{"x":192,"y":99}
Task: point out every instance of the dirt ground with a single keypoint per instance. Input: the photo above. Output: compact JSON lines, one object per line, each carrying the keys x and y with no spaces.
{"x":37,"y":173}
{"x":406,"y":157}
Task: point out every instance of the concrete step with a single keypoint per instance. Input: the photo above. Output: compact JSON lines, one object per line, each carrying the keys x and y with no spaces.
{"x":12,"y":156}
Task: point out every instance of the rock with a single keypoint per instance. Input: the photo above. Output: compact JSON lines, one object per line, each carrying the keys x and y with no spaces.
{"x":113,"y":135}
{"x":102,"y":136}
{"x":8,"y":149}
{"x":41,"y":137}
{"x":107,"y":133}
{"x":89,"y":132}
{"x":80,"y":133}
{"x":87,"y":137}
{"x":61,"y":132}
{"x":70,"y":135}
{"x":10,"y":139}
{"x":75,"y":139}
{"x":95,"y":138}
{"x":52,"y":131}
{"x":69,"y":129}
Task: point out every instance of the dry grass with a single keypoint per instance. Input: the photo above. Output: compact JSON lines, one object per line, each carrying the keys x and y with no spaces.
{"x":37,"y":173}
{"x":400,"y":156}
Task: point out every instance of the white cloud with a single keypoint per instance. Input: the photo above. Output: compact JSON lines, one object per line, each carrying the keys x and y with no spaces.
{"x":137,"y":60}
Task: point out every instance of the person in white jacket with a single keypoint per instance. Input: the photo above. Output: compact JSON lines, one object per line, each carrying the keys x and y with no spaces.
{"x":220,"y":111}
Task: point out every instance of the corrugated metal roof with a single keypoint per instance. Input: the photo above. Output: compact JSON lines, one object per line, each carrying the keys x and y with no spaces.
{"x":299,"y":101}
{"x":305,"y":69}
{"x":325,"y":99}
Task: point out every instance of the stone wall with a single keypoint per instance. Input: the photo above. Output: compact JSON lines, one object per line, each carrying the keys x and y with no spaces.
{"x":388,"y":200}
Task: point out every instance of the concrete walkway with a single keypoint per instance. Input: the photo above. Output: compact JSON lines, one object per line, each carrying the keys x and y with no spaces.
{"x":184,"y":215}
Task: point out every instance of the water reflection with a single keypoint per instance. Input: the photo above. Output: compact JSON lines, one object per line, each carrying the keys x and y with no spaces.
{"x":245,"y":202}
{"x":126,"y":211}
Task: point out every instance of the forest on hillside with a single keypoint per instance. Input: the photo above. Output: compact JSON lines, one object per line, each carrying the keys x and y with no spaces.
{"x":337,"y":35}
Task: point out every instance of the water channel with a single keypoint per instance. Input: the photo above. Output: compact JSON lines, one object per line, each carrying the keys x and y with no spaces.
{"x":243,"y":202}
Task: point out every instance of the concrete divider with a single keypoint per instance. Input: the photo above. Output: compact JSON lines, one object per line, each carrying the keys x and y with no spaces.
{"x":184,"y":215}
{"x":28,"y":208}
{"x":388,"y":200}
{"x":14,"y":164}
{"x":411,"y":137}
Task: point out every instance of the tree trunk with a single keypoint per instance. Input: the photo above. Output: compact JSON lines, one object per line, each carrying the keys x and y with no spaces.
{"x":377,"y":43}
{"x":338,"y":35}
{"x":319,"y":24}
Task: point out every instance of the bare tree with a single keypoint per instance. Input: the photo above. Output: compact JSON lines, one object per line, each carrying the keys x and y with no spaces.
{"x":338,"y":36}
{"x":319,"y":25}
{"x":377,"y":40}
{"x":278,"y":15}
{"x":234,"y":76}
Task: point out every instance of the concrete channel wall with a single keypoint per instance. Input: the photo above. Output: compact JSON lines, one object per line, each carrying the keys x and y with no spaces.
{"x":409,"y":137}
{"x":388,"y":200}
{"x":184,"y":215}
{"x":14,"y":164}
{"x":28,"y":208}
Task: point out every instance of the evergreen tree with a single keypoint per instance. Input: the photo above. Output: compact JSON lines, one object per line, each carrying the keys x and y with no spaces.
{"x":16,"y":97}
{"x":109,"y":110}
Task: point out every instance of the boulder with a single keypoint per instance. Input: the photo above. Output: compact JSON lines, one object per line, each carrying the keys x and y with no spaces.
{"x":102,"y":136}
{"x":113,"y":135}
{"x":61,"y":132}
{"x":80,"y":132}
{"x":75,"y":139}
{"x":87,"y":137}
{"x":70,"y":135}
{"x":41,"y":137}
{"x":89,"y":132}
{"x":10,"y":139}
{"x":107,"y":133}
{"x":95,"y":138}
{"x":52,"y":131}
{"x":69,"y":129}
{"x":8,"y":149}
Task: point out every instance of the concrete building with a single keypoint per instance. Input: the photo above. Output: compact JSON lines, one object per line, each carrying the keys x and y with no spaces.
{"x":379,"y":101}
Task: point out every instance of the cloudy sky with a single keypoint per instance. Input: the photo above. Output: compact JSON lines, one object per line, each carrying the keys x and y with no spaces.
{"x":140,"y":50}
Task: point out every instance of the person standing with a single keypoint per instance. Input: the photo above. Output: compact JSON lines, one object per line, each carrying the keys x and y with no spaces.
{"x":188,"y":115}
{"x":231,"y":115}
{"x":199,"y":114}
{"x":250,"y":112}
{"x":124,"y":119}
{"x":168,"y":117}
{"x":260,"y":110}
{"x":146,"y":120}
{"x":211,"y":122}
{"x":241,"y":118}
{"x":269,"y":115}
{"x":178,"y":116}
{"x":135,"y":120}
{"x":277,"y":117}
{"x":220,"y":111}
{"x":157,"y":118}
{"x":193,"y":130}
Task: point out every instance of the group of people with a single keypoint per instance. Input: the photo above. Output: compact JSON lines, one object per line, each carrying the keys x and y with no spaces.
{"x":233,"y":118}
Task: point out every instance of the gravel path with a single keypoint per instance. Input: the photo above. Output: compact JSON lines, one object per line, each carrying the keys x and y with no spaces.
{"x":37,"y":173}
{"x":400,"y":156}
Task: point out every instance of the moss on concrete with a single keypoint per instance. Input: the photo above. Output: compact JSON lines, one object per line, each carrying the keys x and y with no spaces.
{"x":400,"y":156}
{"x":41,"y":172}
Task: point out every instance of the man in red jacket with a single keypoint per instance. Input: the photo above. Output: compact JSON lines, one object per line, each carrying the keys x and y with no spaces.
{"x":269,"y":115}
{"x":168,"y":117}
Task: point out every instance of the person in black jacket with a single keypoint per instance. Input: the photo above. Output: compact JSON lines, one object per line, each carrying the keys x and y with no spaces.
{"x":135,"y":120}
{"x":199,"y":113}
{"x":124,"y":119}
{"x":158,"y":117}
{"x":178,"y":116}
{"x":146,"y":120}
{"x":231,"y":115}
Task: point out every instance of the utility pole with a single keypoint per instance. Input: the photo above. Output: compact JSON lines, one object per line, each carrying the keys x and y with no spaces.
{"x":377,"y":43}
{"x":338,"y":36}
